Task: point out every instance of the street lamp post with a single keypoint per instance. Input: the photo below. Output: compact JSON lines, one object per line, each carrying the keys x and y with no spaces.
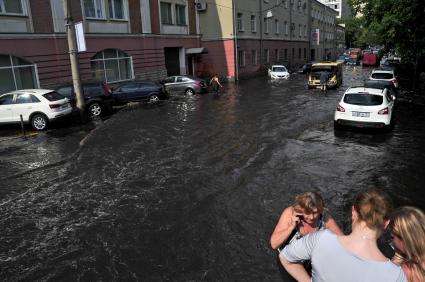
{"x":72,"y":46}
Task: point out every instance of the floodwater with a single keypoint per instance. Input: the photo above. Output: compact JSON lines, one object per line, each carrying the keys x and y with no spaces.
{"x":190,"y":189}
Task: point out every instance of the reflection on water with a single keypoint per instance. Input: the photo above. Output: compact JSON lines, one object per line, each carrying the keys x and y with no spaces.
{"x":190,"y":189}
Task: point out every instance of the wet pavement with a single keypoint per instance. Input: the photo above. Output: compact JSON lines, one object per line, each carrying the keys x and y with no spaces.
{"x":190,"y":189}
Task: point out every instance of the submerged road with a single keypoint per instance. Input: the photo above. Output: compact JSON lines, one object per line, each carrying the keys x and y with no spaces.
{"x":190,"y":189}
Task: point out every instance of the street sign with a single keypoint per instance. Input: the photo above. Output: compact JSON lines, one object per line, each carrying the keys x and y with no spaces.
{"x":79,"y":35}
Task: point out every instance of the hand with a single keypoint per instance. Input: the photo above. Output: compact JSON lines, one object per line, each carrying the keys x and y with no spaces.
{"x":295,"y":219}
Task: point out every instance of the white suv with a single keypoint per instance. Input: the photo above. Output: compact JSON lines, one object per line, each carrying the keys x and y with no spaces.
{"x":385,"y":75}
{"x":37,"y":106}
{"x":365,"y":107}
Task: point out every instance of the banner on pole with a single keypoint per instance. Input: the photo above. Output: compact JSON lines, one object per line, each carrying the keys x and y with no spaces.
{"x":315,"y":37}
{"x":79,"y":35}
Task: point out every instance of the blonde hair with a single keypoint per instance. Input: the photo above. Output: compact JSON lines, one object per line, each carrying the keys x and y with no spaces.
{"x":408,"y":223}
{"x":374,"y":208}
{"x":308,"y":201}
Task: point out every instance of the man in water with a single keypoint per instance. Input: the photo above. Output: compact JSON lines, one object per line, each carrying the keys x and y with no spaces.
{"x":215,"y":83}
{"x":323,"y":80}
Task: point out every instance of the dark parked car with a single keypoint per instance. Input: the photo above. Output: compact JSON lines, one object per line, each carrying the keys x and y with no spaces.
{"x":97,"y":96}
{"x":381,"y":84}
{"x":136,"y":91}
{"x":306,"y":68}
{"x":185,"y":84}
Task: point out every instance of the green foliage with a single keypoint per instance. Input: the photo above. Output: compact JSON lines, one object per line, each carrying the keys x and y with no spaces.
{"x":396,"y":24}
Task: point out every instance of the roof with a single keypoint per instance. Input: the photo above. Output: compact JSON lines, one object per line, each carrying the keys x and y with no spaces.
{"x":383,"y":71}
{"x":278,"y":66}
{"x":201,"y":50}
{"x":30,"y":91}
{"x":327,"y":63}
{"x":362,"y":90}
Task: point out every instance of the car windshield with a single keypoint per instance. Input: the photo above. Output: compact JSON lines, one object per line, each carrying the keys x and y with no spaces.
{"x":279,"y":69}
{"x":53,"y":96}
{"x":318,"y":69}
{"x":363,"y":99}
{"x":382,"y":75}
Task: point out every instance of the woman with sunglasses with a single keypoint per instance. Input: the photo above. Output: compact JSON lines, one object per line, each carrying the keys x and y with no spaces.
{"x":307,"y":215}
{"x":407,"y":228}
{"x":351,"y":258}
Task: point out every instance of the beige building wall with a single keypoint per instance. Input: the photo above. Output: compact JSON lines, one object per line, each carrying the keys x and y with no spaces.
{"x":216,"y":21}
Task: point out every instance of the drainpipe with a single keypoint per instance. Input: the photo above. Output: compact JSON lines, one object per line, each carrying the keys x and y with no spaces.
{"x":261,"y":32}
{"x":235,"y":40}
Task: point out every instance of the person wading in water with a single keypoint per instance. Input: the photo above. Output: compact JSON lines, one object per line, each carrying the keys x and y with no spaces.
{"x":215,"y":83}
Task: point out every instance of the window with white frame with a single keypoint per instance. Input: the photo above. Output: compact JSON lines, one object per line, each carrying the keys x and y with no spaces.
{"x":180,"y":14}
{"x":253,"y":23}
{"x":94,"y":9}
{"x":117,"y":9}
{"x":16,"y":73}
{"x":112,"y":65}
{"x":241,"y":58}
{"x":276,"y":26}
{"x":300,"y":30}
{"x":166,"y":17}
{"x":266,"y":25}
{"x":12,"y":7}
{"x":240,"y":22}
{"x":286,"y":28}
{"x":254,"y":57}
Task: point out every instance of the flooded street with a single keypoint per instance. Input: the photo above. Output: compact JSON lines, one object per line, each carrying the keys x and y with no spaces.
{"x":190,"y":189}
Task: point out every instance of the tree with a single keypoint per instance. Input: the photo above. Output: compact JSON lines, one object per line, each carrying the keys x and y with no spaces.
{"x":399,"y":25}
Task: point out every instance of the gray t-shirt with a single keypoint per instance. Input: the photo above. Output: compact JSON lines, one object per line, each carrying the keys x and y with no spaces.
{"x":333,"y":263}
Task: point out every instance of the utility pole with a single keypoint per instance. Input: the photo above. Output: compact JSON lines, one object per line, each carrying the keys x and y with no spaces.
{"x":73,"y":56}
{"x":235,"y":40}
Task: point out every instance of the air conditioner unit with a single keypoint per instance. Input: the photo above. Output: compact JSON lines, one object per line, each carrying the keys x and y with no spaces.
{"x":201,"y":6}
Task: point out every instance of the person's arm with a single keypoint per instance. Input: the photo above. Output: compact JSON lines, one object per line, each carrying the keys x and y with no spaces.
{"x":299,"y":251}
{"x":296,"y":270}
{"x":333,"y":226}
{"x":284,"y":228}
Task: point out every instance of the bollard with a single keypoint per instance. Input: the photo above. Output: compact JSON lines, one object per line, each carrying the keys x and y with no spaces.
{"x":22,"y":126}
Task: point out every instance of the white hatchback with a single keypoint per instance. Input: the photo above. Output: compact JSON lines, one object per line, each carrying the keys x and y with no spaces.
{"x":365,"y":107}
{"x":278,"y":72}
{"x":36,"y":106}
{"x":385,"y":75}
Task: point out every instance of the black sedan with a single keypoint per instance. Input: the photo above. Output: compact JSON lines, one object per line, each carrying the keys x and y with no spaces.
{"x":136,"y":91}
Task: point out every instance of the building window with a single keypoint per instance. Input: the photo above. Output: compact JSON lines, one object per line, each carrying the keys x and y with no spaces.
{"x":240,"y":22}
{"x":266,"y":25}
{"x":253,"y":23}
{"x":94,"y":9}
{"x":180,"y":15}
{"x":266,"y":55}
{"x":117,"y":9}
{"x":276,"y":26}
{"x":254,"y":57}
{"x":166,"y":13}
{"x":286,"y":54}
{"x":286,"y":28}
{"x":16,"y":73}
{"x":305,"y":53}
{"x":12,"y":7}
{"x":299,"y":53}
{"x":112,"y":65}
{"x":276,"y":55}
{"x":241,"y":58}
{"x":293,"y":53}
{"x":285,"y":2}
{"x":300,"y":30}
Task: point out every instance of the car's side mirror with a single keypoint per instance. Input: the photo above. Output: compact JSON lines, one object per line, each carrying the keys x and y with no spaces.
{"x":393,"y":97}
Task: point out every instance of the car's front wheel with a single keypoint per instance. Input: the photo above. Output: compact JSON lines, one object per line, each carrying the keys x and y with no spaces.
{"x":153,"y":98}
{"x":95,"y":109}
{"x":189,"y":91}
{"x":39,"y":122}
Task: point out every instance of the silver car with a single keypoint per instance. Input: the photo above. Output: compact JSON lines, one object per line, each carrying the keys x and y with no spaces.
{"x":185,"y":84}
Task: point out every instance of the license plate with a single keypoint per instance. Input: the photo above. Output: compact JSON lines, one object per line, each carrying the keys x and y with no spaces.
{"x":360,"y":114}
